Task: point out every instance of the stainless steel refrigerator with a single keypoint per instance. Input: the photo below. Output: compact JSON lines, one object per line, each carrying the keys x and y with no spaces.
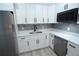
{"x":7,"y":34}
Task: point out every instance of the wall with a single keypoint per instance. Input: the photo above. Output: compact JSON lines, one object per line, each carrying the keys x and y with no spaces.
{"x":73,"y":27}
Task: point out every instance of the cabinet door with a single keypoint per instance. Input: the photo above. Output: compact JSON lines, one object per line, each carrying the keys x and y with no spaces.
{"x":21,"y":44}
{"x":20,"y":13}
{"x":42,"y":42}
{"x":44,"y":15}
{"x":38,"y":13}
{"x":32,"y":44}
{"x":37,"y":43}
{"x":52,"y":13}
{"x":30,"y":13}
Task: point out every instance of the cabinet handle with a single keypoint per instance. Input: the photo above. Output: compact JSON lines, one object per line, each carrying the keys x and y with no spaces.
{"x":72,"y":46}
{"x":27,"y":43}
{"x":22,"y":38}
{"x":25,"y":19}
{"x":37,"y":41}
{"x":43,"y":19}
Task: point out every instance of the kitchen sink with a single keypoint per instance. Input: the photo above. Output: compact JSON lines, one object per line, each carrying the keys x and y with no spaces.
{"x":36,"y":32}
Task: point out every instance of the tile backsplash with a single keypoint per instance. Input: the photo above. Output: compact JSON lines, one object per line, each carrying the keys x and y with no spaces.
{"x":63,"y":26}
{"x":67,"y":27}
{"x":31,"y":26}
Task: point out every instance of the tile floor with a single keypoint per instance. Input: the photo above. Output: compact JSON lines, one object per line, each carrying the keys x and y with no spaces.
{"x":40,"y":52}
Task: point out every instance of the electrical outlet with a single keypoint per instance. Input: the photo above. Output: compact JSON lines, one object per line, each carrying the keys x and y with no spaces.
{"x":68,"y":29}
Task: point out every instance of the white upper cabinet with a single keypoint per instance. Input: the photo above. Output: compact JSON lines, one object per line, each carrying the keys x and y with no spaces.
{"x":35,"y":13}
{"x":44,"y":14}
{"x":20,"y":13}
{"x":63,"y":7}
{"x":30,"y":13}
{"x":52,"y":13}
{"x":25,"y":13}
{"x":6,"y":6}
{"x":38,"y":13}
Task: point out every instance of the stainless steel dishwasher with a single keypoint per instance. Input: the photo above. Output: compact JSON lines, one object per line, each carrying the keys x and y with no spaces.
{"x":60,"y":46}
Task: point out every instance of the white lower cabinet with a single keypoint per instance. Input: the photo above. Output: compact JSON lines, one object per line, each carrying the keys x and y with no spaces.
{"x":73,"y":49}
{"x":38,"y":43}
{"x":23,"y":44}
{"x":32,"y":44}
{"x":28,"y":43}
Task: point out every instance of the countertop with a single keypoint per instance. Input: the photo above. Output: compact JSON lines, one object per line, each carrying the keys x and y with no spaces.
{"x":73,"y":37}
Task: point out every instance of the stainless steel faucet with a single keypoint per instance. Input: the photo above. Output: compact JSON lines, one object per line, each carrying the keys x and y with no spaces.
{"x":35,"y":28}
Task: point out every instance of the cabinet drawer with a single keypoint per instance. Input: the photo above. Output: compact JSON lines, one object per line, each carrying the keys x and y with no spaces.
{"x":72,"y":49}
{"x":73,"y":45}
